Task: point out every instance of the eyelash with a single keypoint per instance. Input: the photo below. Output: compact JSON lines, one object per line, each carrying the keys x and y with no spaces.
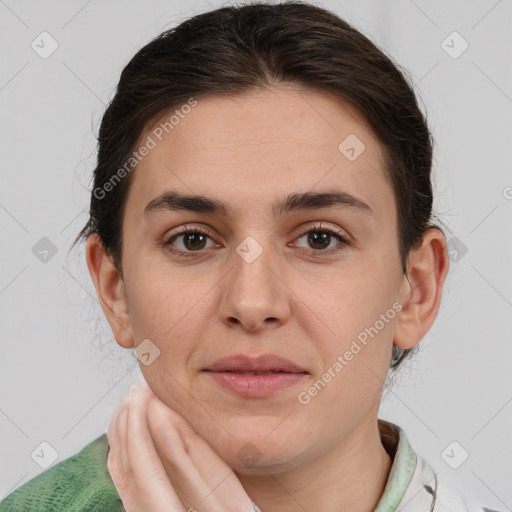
{"x":203,"y":231}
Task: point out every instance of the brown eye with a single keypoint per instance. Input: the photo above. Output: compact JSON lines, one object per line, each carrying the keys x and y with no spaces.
{"x":319,"y":239}
{"x":191,"y":240}
{"x":196,"y":240}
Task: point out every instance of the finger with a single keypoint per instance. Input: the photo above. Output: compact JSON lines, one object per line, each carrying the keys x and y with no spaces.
{"x":116,"y":453}
{"x":203,"y":480}
{"x":152,"y":486}
{"x":115,"y":457}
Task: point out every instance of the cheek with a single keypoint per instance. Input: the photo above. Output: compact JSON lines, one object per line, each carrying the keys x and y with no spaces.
{"x":174,"y":313}
{"x":172,"y":321}
{"x":344,"y":303}
{"x":166,"y":306}
{"x":352,"y":330}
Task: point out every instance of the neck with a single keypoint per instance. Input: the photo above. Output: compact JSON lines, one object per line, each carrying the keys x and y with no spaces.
{"x":349,"y":477}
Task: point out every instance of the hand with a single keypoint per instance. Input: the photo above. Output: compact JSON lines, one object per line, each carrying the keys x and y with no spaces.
{"x":159,"y":463}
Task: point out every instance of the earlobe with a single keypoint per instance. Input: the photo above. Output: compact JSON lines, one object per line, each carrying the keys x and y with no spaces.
{"x":110,"y":290}
{"x":422,"y":289}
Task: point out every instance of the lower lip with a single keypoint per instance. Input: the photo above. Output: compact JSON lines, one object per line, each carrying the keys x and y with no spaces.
{"x":255,"y":386}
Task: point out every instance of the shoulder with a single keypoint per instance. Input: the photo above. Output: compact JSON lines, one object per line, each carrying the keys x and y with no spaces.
{"x":448,"y":498}
{"x":430,"y":491}
{"x":81,"y":482}
{"x":413,"y":485}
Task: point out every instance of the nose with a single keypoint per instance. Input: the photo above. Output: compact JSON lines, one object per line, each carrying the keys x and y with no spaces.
{"x":254,"y":295}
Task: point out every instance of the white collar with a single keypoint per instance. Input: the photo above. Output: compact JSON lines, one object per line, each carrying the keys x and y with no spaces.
{"x":412,"y":485}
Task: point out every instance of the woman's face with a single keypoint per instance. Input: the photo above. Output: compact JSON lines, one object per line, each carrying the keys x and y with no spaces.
{"x":265,"y":281}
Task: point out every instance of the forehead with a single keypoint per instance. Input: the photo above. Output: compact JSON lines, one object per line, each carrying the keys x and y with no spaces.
{"x":253,"y":149}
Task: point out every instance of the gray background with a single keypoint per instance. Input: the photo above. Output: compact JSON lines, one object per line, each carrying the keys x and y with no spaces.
{"x":63,"y":375}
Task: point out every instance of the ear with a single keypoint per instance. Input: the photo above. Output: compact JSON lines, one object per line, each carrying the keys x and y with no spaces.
{"x":110,"y":289}
{"x":422,"y":289}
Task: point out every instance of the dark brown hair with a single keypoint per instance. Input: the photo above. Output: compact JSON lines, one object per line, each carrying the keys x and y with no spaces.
{"x":235,"y":50}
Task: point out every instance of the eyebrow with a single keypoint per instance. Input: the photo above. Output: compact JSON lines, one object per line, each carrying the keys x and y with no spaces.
{"x":174,"y":201}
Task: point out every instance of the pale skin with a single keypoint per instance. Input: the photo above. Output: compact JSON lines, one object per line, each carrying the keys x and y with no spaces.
{"x":297,"y":300}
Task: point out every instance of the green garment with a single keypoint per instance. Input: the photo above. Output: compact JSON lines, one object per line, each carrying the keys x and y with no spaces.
{"x":79,"y":483}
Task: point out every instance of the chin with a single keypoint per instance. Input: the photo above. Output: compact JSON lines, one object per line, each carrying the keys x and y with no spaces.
{"x":253,"y":461}
{"x":254,"y":442}
{"x":251,"y":453}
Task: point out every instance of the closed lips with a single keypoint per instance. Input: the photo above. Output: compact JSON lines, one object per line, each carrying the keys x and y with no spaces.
{"x":258,"y":373}
{"x":255,"y":377}
{"x":262,"y":365}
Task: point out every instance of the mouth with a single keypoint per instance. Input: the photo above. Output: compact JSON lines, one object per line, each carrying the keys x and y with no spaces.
{"x":255,"y":373}
{"x":255,"y":384}
{"x":265,"y":363}
{"x":256,"y":377}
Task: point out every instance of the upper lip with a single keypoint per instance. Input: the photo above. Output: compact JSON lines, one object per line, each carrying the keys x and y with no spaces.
{"x":262,"y":363}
